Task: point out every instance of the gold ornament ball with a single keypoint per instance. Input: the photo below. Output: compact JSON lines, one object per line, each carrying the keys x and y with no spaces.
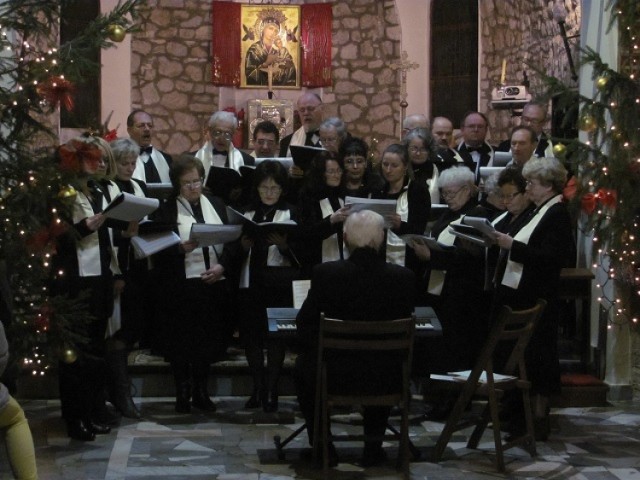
{"x":116,"y":33}
{"x":559,"y":150}
{"x":67,"y":193}
{"x":69,"y":355}
{"x":601,"y":82}
{"x":588,"y":123}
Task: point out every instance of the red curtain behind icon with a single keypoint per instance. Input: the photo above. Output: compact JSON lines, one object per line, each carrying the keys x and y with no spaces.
{"x":225,"y":43}
{"x":315,"y":40}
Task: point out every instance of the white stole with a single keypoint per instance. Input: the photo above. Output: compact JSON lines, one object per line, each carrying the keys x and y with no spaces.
{"x":205,"y":155}
{"x":194,"y":264}
{"x":330,"y":247}
{"x":513,"y":271}
{"x":436,"y":277}
{"x":396,"y":247}
{"x":87,"y":248}
{"x":159,"y":161}
{"x":299,"y":137}
{"x":432,"y":184}
{"x":274,"y":257}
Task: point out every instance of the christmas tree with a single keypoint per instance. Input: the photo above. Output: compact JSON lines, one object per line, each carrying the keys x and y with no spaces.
{"x":38,"y":77}
{"x":607,"y":164}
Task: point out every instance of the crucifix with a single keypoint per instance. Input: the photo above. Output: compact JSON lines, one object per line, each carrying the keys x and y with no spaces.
{"x":403,"y":65}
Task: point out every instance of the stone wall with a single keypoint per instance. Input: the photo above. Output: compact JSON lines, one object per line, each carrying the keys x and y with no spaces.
{"x":522,"y":31}
{"x":171,"y":64}
{"x":171,"y":79}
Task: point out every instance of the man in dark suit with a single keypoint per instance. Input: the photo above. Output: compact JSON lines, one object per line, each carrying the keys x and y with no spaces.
{"x":534,"y":116}
{"x":473,"y":149}
{"x":152,"y":165}
{"x":310,"y":110}
{"x":362,"y":288}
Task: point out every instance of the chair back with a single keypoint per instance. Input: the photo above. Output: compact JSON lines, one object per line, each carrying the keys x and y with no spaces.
{"x":513,"y":329}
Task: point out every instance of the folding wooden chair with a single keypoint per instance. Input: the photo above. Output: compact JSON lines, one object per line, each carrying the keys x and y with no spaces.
{"x":513,"y":329}
{"x":379,"y":337}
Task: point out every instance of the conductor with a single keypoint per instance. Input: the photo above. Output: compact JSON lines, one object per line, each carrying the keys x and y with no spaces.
{"x":362,"y":288}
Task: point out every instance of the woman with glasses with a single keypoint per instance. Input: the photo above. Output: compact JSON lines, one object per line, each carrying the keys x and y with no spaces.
{"x":412,"y":209}
{"x":456,"y":276}
{"x":533,"y":256}
{"x":269,"y":265}
{"x":424,"y":160}
{"x":332,"y":133}
{"x":359,"y":179}
{"x":193,"y":289}
{"x":322,"y":212}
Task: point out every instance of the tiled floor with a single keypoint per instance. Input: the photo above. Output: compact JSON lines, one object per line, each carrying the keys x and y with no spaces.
{"x":233,"y":444}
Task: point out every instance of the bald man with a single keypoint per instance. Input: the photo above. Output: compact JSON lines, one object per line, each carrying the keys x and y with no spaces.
{"x":534,"y":116}
{"x":414,"y":121}
{"x":310,"y":109}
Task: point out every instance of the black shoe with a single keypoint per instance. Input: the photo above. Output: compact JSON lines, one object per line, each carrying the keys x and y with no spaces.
{"x":270,"y":403}
{"x":78,"y":430}
{"x":372,"y":456}
{"x":183,"y":405}
{"x":99,"y":428}
{"x":105,"y":416}
{"x":202,"y":401}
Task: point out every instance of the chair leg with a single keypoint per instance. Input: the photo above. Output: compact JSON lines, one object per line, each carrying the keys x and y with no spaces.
{"x":452,"y":423}
{"x":528,"y":418}
{"x":495,"y":420}
{"x":480,"y":427}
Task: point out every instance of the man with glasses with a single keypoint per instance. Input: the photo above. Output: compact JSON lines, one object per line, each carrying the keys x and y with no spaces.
{"x":152,"y":165}
{"x":222,"y":160}
{"x":265,"y":140}
{"x":332,"y":132}
{"x":310,"y":110}
{"x":414,"y":121}
{"x":534,"y":116}
{"x":473,"y":149}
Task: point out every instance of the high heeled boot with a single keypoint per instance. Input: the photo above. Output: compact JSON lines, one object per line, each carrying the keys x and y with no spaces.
{"x":201,"y":398}
{"x":255,"y":359}
{"x":119,"y":383}
{"x":275,"y":359}
{"x":183,"y":386}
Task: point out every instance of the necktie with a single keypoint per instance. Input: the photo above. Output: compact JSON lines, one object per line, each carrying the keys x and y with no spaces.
{"x":146,"y":150}
{"x":151,"y":172}
{"x":474,"y":149}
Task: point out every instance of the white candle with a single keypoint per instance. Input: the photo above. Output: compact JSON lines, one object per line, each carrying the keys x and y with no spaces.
{"x":270,"y":76}
{"x":503,"y":77}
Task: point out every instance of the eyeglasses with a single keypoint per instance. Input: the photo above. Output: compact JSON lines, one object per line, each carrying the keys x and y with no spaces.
{"x":192,"y":185}
{"x":449,"y":194}
{"x":267,"y":190}
{"x":333,"y":172}
{"x":354,"y":161}
{"x":269,"y":143}
{"x":417,"y":150}
{"x":327,"y":141}
{"x":533,"y":183}
{"x":533,"y":121}
{"x":507,"y":197}
{"x":221,"y":133}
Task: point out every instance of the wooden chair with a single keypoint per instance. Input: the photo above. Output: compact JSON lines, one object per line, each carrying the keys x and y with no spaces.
{"x":394,"y":336}
{"x":512,"y":329}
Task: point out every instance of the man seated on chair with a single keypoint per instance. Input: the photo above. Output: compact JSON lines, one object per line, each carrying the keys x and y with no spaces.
{"x":362,"y":288}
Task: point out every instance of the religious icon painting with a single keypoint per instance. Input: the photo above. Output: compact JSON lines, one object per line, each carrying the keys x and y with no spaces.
{"x":270,"y":46}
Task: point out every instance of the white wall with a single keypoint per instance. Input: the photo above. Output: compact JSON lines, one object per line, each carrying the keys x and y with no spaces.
{"x":115,"y":79}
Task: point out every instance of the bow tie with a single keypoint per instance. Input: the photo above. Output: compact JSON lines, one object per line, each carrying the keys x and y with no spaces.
{"x":146,"y":150}
{"x":218,"y":152}
{"x":475,"y":149}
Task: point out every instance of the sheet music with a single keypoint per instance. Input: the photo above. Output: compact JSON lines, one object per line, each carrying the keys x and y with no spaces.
{"x":128,"y":207}
{"x":146,"y":245}
{"x":430,"y":242}
{"x":383,"y":207}
{"x":206,"y":234}
{"x":300,"y":292}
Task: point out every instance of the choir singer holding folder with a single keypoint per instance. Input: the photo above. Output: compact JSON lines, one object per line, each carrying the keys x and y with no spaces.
{"x":193,"y":290}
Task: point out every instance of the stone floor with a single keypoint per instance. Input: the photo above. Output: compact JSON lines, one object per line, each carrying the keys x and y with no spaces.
{"x":232,"y":444}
